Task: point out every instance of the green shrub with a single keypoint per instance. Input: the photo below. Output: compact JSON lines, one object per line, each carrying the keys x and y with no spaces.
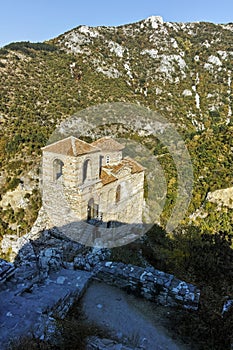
{"x":13,"y":183}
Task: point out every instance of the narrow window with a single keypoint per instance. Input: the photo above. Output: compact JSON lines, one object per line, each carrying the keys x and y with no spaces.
{"x":87,"y":170}
{"x":107,"y":159}
{"x":57,"y":169}
{"x":118,"y":193}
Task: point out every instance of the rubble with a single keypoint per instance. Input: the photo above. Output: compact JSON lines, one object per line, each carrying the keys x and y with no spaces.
{"x":95,"y":343}
{"x":50,"y":259}
{"x":7,"y":270}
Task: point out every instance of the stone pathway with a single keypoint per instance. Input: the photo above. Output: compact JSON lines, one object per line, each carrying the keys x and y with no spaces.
{"x":26,"y":309}
{"x":127,"y":317}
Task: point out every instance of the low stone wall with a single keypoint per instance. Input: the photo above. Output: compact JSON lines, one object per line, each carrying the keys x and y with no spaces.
{"x":150,"y":283}
{"x":95,"y":343}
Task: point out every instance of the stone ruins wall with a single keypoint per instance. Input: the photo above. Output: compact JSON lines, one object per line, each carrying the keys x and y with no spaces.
{"x":46,"y":280}
{"x":151,"y":284}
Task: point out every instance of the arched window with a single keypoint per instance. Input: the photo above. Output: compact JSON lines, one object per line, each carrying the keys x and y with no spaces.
{"x":57,"y":169}
{"x":107,"y":159}
{"x":118,"y":193}
{"x":87,"y":170}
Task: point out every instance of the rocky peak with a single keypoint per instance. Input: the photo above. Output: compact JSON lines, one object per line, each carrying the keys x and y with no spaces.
{"x":155,"y":21}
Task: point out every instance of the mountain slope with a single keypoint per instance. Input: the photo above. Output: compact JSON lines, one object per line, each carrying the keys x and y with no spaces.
{"x":182,"y":70}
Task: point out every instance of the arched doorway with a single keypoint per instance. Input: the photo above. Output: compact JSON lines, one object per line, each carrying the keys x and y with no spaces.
{"x":92,"y":210}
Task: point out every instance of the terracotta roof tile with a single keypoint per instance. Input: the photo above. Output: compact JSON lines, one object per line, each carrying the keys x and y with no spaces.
{"x":71,"y":146}
{"x":106,"y":178}
{"x":128,"y":162}
{"x":108,"y":144}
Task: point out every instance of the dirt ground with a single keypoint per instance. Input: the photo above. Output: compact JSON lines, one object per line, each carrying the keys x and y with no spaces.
{"x":125,"y":316}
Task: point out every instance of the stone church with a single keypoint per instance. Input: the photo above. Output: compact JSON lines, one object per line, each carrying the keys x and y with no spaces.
{"x":100,"y":185}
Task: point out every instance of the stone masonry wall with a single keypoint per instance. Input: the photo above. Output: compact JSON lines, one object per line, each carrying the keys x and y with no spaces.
{"x":77,"y":194}
{"x":114,"y":157}
{"x":151,"y":284}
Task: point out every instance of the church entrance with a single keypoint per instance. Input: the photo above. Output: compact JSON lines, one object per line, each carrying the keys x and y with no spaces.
{"x":92,"y":210}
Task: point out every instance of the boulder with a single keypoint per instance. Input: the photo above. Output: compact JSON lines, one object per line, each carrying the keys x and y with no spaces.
{"x":50,"y":260}
{"x":91,"y":260}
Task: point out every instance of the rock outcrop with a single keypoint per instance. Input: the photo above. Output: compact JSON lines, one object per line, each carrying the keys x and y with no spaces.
{"x":223,"y":197}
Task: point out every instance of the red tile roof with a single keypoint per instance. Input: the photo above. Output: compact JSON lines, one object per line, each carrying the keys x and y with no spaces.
{"x":108,"y":144}
{"x":128,"y":162}
{"x":106,"y":178}
{"x":71,"y":146}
